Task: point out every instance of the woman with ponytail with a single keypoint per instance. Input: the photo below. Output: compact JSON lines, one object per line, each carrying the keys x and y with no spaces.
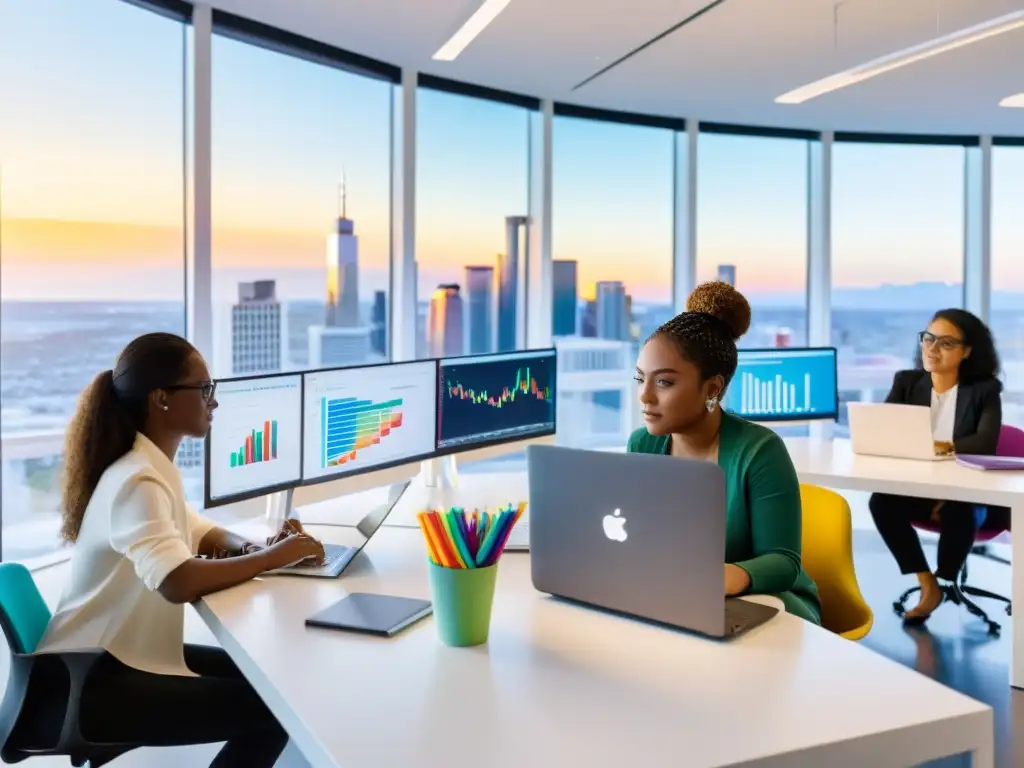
{"x":140,"y":553}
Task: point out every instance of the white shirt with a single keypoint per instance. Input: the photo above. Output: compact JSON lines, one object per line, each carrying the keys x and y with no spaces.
{"x":943,"y":415}
{"x":137,"y":528}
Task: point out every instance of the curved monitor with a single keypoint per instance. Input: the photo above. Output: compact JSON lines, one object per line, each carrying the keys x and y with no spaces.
{"x":255,"y":442}
{"x":784,"y":384}
{"x":371,"y":417}
{"x":491,"y":399}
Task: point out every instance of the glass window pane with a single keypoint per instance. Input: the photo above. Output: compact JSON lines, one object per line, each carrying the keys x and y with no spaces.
{"x":1008,"y":275}
{"x":613,"y":224}
{"x":301,"y":213}
{"x":752,"y":230}
{"x":92,"y":234}
{"x":471,"y":206}
{"x":897,"y":256}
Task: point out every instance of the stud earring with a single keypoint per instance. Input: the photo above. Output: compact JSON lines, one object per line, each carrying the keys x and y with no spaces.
{"x":167,"y":409}
{"x":711,"y":403}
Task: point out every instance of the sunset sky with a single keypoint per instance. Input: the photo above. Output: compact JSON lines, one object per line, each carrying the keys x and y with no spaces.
{"x":92,"y":152}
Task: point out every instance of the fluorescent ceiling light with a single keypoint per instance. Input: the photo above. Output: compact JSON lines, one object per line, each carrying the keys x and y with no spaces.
{"x":476,"y":24}
{"x":925,"y":50}
{"x":1017,"y":100}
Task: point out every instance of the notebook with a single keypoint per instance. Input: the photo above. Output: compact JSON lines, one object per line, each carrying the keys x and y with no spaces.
{"x":383,"y":615}
{"x":990,"y":462}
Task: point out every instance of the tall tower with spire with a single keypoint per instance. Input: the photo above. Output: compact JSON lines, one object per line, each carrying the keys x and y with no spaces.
{"x":342,"y":268}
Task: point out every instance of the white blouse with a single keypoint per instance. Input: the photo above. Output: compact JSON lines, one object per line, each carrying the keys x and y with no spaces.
{"x":943,"y":415}
{"x":137,"y":528}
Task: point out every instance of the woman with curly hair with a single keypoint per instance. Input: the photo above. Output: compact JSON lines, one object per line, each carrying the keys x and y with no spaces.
{"x":134,"y":564}
{"x":682,"y":374}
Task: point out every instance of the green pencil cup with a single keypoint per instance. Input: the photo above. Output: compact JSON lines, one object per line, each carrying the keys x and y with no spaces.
{"x":462,"y":599}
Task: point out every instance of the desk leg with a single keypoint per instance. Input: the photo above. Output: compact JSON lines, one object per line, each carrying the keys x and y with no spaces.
{"x":983,"y":757}
{"x":1017,"y":595}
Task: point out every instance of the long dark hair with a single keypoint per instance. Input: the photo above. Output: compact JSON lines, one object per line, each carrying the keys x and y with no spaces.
{"x":983,"y":362}
{"x":111,"y":410}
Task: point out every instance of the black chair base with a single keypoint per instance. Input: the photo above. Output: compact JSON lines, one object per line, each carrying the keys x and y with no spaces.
{"x":957,"y":593}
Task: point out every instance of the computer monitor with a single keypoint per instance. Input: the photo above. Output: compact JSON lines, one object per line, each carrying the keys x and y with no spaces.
{"x":784,"y":384}
{"x":255,"y":443}
{"x":491,"y":399}
{"x":368,"y":418}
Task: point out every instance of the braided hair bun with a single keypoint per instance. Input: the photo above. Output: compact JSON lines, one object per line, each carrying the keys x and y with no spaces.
{"x":724,"y":302}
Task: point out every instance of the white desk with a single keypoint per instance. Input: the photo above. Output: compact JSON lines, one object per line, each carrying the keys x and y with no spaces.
{"x":559,"y":684}
{"x":832,"y":463}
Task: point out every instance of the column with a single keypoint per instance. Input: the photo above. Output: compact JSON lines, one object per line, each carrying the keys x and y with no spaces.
{"x":402,"y":317}
{"x":819,"y":254}
{"x":684,"y":231}
{"x":978,"y":228}
{"x":539,"y":285}
{"x":199,"y":259}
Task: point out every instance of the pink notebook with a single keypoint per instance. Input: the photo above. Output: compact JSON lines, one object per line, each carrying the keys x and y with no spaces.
{"x":990,"y":462}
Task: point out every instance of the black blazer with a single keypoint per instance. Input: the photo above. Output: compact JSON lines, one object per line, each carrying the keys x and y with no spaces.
{"x":979,"y":409}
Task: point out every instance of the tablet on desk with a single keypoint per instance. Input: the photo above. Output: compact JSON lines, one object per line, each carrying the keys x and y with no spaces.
{"x":383,"y":615}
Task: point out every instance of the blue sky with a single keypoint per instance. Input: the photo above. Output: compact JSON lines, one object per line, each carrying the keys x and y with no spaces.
{"x":91,"y":130}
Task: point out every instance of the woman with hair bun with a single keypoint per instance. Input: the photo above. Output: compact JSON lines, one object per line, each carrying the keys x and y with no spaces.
{"x":682,"y":374}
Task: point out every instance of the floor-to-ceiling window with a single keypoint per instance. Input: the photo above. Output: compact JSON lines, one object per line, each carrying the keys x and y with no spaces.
{"x":472,"y":172}
{"x":897,"y":255}
{"x":301,"y":208}
{"x":752,"y":229}
{"x":612,"y":272}
{"x":1007,"y":301}
{"x":92,"y":225}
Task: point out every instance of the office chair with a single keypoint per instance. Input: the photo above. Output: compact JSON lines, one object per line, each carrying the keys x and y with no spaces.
{"x":828,"y":559}
{"x":40,"y":713}
{"x":1011,"y":443}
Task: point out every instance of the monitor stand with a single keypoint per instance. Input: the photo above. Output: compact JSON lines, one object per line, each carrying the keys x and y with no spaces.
{"x":442,"y":472}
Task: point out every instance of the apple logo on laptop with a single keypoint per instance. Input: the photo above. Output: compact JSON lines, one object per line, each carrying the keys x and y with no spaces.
{"x":615,"y":526}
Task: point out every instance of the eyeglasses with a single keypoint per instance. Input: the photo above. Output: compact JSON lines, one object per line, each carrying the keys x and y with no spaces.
{"x":945,"y":343}
{"x":206,"y":389}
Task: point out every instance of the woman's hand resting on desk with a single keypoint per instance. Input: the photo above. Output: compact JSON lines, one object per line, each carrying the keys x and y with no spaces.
{"x":737,"y":580}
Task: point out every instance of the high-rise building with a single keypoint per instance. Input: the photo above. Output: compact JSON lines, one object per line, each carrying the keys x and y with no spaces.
{"x":333,"y":347}
{"x":343,"y":270}
{"x":612,"y":320}
{"x":379,"y":324}
{"x":256,"y":329}
{"x":299,"y":316}
{"x":588,"y":319}
{"x":444,"y":325}
{"x":480,"y":310}
{"x":508,"y":284}
{"x":563,"y":277}
{"x":727,"y":274}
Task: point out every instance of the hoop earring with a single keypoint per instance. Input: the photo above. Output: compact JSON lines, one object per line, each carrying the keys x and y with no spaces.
{"x":711,"y":403}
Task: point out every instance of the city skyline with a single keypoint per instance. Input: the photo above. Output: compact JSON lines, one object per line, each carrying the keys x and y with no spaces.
{"x":93,"y":201}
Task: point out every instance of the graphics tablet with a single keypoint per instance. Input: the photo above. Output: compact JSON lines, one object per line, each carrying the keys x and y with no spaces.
{"x":383,"y":615}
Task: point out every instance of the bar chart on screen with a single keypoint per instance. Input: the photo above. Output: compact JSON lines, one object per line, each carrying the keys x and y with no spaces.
{"x":357,"y":418}
{"x":784,"y":384}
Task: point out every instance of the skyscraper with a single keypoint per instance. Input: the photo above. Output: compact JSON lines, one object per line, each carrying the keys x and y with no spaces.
{"x":563,"y":321}
{"x":343,"y":270}
{"x":612,"y":321}
{"x":378,"y":331}
{"x":508,"y":284}
{"x":727,"y":274}
{"x":480,"y":310}
{"x":444,"y":325}
{"x":256,"y":329}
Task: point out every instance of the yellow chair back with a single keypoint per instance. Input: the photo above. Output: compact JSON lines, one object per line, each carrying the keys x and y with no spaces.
{"x":828,"y":559}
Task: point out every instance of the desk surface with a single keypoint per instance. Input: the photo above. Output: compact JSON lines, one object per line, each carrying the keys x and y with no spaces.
{"x":833,"y":463}
{"x":559,"y":682}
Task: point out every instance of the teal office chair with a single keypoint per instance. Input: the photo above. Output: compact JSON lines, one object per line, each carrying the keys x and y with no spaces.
{"x":40,"y":710}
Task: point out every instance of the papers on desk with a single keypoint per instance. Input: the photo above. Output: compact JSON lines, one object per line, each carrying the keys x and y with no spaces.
{"x":458,"y":539}
{"x":990,"y":462}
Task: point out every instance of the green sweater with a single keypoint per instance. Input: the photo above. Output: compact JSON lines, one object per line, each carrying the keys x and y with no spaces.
{"x":762,"y":528}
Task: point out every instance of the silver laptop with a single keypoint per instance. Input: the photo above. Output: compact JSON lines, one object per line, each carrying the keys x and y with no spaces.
{"x":637,"y":534}
{"x":337,"y":557}
{"x":894,"y":430}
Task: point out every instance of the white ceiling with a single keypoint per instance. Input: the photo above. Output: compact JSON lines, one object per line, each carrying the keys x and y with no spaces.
{"x":726,"y":66}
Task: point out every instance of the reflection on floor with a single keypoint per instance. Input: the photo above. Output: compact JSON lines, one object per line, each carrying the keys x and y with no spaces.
{"x":953,"y":647}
